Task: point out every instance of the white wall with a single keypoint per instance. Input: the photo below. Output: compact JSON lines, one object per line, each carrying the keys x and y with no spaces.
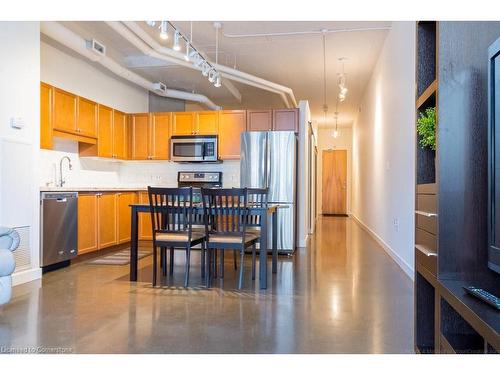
{"x":20,"y":97}
{"x":327,"y":142}
{"x":383,"y":148}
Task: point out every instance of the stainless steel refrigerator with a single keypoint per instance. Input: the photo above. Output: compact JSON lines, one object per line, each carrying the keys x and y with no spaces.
{"x":268,"y":160}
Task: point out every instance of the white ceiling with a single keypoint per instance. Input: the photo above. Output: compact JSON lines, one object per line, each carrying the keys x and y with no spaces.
{"x":294,"y":61}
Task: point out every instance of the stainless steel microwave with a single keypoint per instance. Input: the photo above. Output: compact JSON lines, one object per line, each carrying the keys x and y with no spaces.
{"x":193,"y":148}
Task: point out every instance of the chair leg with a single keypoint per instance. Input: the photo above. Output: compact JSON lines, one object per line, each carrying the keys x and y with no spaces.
{"x":188,"y":263}
{"x":208,"y":271}
{"x":203,"y":255}
{"x":154,"y":265}
{"x":242,"y":259}
{"x":222,"y":264}
{"x":171,"y":260}
{"x":254,"y":256}
{"x":235,"y":259}
{"x":163,"y":251}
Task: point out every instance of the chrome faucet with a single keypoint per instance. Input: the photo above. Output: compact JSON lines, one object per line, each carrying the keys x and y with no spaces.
{"x":61,"y":179}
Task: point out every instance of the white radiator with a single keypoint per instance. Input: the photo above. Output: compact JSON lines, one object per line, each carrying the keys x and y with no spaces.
{"x":23,"y":252}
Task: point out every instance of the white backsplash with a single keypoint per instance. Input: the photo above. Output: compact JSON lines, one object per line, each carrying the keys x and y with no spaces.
{"x":103,"y":173}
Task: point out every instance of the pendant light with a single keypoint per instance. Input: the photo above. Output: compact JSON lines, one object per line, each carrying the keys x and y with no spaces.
{"x":336,"y":131}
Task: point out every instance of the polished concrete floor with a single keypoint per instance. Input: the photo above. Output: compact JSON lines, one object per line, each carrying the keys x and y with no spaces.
{"x":343,"y":294}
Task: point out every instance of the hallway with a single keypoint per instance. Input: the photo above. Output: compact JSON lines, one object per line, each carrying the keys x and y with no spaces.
{"x":343,"y":294}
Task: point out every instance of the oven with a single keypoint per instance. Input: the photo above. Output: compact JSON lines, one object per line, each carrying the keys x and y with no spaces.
{"x":193,"y":148}
{"x":199,"y":180}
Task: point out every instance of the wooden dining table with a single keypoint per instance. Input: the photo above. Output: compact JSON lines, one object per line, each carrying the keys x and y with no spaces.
{"x":269,"y":211}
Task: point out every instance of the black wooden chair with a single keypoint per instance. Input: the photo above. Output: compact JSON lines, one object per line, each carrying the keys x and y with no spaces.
{"x":257,"y":197}
{"x":226,"y":216}
{"x":171,"y":217}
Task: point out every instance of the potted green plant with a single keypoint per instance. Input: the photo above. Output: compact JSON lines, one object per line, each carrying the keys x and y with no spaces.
{"x":426,"y":128}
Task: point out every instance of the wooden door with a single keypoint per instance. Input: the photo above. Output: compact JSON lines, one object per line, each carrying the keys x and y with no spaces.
{"x":105,"y":141}
{"x":64,"y":111}
{"x":119,"y":135}
{"x":139,"y":127}
{"x":87,"y":223}
{"x":259,"y":120}
{"x":286,"y":119}
{"x":207,"y":123}
{"x":124,"y":200}
{"x":231,"y":125}
{"x":183,"y":123}
{"x":106,"y":208}
{"x":45,"y":116}
{"x":160,"y":135}
{"x":334,"y":182}
{"x":86,"y":123}
{"x":145,"y":225}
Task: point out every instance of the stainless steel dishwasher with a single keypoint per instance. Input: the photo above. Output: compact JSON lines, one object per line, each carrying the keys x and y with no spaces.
{"x":59,"y":229}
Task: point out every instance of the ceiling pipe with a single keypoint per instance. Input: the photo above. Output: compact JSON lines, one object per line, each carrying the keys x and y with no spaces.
{"x":78,"y":44}
{"x":310,"y":32}
{"x":138,"y":37}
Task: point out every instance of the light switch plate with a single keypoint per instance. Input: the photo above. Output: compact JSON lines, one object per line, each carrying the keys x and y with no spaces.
{"x":16,"y":122}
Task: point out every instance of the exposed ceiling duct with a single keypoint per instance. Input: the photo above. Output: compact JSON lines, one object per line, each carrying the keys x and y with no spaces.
{"x":140,"y":38}
{"x":78,"y":44}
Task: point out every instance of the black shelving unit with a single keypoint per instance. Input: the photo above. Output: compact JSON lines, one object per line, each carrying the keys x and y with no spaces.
{"x":451,"y":192}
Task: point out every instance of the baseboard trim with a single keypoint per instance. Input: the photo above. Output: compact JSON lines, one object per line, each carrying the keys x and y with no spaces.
{"x":26,"y":276}
{"x":407,"y":269}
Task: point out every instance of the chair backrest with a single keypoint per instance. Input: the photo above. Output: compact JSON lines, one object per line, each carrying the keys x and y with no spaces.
{"x":225,"y":211}
{"x":257,"y":197}
{"x":171,"y":209}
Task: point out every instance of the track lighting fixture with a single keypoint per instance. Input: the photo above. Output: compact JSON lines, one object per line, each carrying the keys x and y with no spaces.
{"x":336,"y":131}
{"x":217,"y":81}
{"x":177,"y":37}
{"x":191,"y":53}
{"x":187,"y":53}
{"x":164,"y":30}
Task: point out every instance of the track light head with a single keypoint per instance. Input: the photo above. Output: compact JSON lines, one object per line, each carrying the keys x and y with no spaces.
{"x":212,"y":75}
{"x":335,"y":133}
{"x":177,"y":37}
{"x":217,"y":81}
{"x":151,"y":23}
{"x":205,"y":69}
{"x":188,"y":51}
{"x":341,"y":97}
{"x":164,"y":30}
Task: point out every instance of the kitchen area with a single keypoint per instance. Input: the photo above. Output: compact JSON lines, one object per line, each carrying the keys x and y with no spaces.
{"x":97,"y":161}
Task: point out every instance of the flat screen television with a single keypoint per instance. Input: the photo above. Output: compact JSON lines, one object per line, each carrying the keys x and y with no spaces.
{"x":494,"y":156}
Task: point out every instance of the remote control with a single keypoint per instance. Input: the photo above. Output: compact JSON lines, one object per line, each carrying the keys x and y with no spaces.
{"x":483,"y":295}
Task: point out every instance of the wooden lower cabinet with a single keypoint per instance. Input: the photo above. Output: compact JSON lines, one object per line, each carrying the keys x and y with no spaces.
{"x":106,"y":207}
{"x":104,"y":219}
{"x":87,"y":223}
{"x":124,"y":200}
{"x":145,"y":225}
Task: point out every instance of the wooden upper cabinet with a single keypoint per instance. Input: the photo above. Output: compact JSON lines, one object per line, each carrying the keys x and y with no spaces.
{"x":106,"y":207}
{"x":259,"y":120}
{"x":231,"y":125}
{"x":207,"y":123}
{"x":45,"y":116}
{"x":64,"y":111}
{"x":123,"y":202}
{"x":183,"y":123}
{"x":139,"y":136}
{"x":160,"y":136}
{"x":120,"y":135}
{"x":87,"y":223}
{"x":105,"y":140}
{"x":286,"y":119}
{"x":86,"y":123}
